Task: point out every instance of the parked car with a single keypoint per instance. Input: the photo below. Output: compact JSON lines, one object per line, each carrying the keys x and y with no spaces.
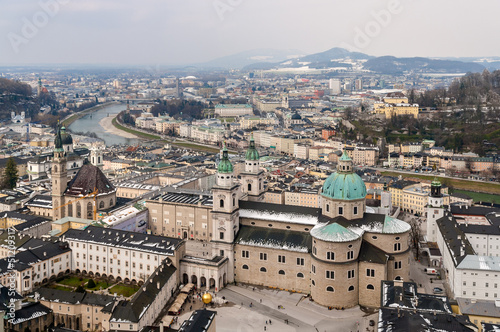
{"x":438,"y":290}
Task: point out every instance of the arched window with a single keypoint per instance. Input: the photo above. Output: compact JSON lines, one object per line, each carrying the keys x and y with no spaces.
{"x":397,"y":278}
{"x":281,"y":272}
{"x":221,"y":203}
{"x":249,"y":187}
{"x":263,"y":269}
{"x":89,"y":211}
{"x":370,"y":286}
{"x":341,"y":210}
{"x":329,"y":289}
{"x":355,"y":210}
{"x":351,"y":288}
{"x":300,"y":275}
{"x":55,"y":168}
{"x":78,"y":210}
{"x":101,"y":205}
{"x":70,"y":209}
{"x":245,"y":267}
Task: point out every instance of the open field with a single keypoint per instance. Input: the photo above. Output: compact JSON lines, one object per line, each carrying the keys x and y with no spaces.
{"x":125,"y":290}
{"x":480,"y":187}
{"x":480,"y":197}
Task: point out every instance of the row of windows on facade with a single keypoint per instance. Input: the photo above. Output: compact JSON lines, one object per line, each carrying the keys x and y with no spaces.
{"x":330,"y":255}
{"x":77,"y":245}
{"x":90,"y":208}
{"x":485,"y":294}
{"x":111,"y":259}
{"x":341,"y":209}
{"x":495,"y":285}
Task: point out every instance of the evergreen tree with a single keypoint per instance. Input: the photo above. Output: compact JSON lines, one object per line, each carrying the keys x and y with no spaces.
{"x":11,"y":174}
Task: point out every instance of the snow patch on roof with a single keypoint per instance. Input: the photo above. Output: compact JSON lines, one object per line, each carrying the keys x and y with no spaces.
{"x":279,"y":216}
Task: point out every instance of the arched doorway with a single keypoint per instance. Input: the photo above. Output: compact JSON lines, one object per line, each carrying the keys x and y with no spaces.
{"x":185,"y":235}
{"x":212,"y":282}
{"x":194,"y":279}
{"x":224,"y":281}
{"x":203,"y":281}
{"x":185,"y":278}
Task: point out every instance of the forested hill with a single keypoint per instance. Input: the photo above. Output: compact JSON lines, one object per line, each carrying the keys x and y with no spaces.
{"x":15,"y":97}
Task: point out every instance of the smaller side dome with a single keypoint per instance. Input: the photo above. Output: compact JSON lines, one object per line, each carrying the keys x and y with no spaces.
{"x":333,"y":232}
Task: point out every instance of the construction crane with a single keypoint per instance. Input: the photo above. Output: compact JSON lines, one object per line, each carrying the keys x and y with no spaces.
{"x":94,"y":194}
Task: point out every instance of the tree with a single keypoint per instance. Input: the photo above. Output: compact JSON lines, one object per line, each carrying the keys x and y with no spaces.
{"x":80,"y":289}
{"x":91,"y":283}
{"x":415,"y":233}
{"x":11,"y":174}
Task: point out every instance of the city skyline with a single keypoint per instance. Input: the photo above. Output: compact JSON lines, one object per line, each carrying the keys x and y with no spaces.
{"x":188,"y":32}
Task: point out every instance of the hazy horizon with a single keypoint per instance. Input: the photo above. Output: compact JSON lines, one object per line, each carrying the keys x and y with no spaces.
{"x":176,"y":33}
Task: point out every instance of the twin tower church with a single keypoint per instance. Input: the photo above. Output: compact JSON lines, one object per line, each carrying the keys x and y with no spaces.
{"x":338,"y":253}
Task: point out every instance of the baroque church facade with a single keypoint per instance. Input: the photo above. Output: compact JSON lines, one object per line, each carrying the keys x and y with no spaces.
{"x":88,"y":191}
{"x":339,"y":253}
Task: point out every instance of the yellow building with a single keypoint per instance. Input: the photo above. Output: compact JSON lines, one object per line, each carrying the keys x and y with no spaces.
{"x":61,"y":226}
{"x":479,"y":311}
{"x":396,"y":105}
{"x":412,"y":196}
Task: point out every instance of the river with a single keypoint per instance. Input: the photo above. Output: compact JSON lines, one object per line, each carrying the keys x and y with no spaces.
{"x":90,"y":123}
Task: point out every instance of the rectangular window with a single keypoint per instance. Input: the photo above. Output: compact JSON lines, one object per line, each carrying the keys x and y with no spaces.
{"x":330,"y":274}
{"x":350,"y":254}
{"x":350,"y":274}
{"x":245,"y":254}
{"x":300,"y":261}
{"x":397,"y":246}
{"x":313,"y":269}
{"x":222,"y":235}
{"x":330,"y":255}
{"x":370,"y":272}
{"x":281,"y":259}
{"x":355,"y":210}
{"x":397,"y":265}
{"x":263,"y":256}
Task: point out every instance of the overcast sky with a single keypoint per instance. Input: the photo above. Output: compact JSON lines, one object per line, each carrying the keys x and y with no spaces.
{"x":189,"y":31}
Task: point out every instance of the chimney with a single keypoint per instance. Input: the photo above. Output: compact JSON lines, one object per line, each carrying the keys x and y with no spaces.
{"x":144,"y":288}
{"x":44,"y":253}
{"x":158,"y":284}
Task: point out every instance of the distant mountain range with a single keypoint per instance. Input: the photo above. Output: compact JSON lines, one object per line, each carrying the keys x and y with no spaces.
{"x":340,"y":58}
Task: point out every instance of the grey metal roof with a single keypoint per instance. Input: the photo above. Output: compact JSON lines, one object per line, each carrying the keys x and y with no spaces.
{"x":475,"y":262}
{"x":478,"y":307}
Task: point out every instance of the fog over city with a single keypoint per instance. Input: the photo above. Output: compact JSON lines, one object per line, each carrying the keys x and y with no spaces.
{"x":188,"y":32}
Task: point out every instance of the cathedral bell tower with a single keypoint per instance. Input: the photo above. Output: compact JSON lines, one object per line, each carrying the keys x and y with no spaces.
{"x":59,"y":177}
{"x":252,"y":180}
{"x":434,"y":210}
{"x":225,"y":211}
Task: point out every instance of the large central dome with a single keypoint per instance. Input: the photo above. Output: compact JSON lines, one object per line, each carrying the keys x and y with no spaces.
{"x":344,"y":184}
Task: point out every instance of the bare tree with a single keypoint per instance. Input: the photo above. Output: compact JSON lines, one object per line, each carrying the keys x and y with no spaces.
{"x":415,"y":234}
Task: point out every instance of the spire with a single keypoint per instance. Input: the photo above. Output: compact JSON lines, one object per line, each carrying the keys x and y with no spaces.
{"x":58,"y":143}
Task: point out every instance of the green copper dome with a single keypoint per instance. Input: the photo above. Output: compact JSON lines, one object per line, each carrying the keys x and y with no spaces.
{"x":225,"y":165}
{"x":344,"y":184}
{"x":252,"y":153}
{"x":436,"y":182}
{"x":66,"y":137}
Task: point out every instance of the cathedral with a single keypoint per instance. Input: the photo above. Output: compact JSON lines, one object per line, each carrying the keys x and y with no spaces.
{"x":338,"y":253}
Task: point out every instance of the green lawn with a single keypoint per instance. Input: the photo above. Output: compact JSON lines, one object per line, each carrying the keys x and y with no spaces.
{"x":125,"y":290}
{"x":485,"y":187}
{"x":73,"y":281}
{"x":137,"y":133}
{"x":99,"y":284}
{"x":480,"y":197}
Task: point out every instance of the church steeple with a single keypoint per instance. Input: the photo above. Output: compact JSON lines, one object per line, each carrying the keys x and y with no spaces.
{"x":252,"y":179}
{"x":225,"y":169}
{"x":59,"y":176}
